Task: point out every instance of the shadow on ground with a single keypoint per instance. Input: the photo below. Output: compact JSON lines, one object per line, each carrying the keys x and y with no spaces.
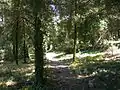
{"x":87,"y":74}
{"x":103,"y":74}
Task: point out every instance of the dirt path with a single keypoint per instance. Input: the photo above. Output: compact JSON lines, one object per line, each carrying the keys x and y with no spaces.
{"x":62,"y":73}
{"x":65,"y":79}
{"x":60,"y":67}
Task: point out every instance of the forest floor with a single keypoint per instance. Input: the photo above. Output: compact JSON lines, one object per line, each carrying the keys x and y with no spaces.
{"x":62,"y":76}
{"x":68,"y":80}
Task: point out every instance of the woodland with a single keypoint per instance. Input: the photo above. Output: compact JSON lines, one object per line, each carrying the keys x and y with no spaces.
{"x":59,"y":44}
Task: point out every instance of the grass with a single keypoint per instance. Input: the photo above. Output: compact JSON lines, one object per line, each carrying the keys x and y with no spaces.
{"x":16,"y":73}
{"x":21,"y":77}
{"x":106,"y":73}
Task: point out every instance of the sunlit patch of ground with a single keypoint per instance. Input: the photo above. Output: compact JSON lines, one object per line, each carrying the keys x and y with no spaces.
{"x":51,"y":56}
{"x":10,"y":73}
{"x":10,"y":82}
{"x":56,"y":66}
{"x":112,"y":53}
{"x":91,"y":55}
{"x":55,"y":61}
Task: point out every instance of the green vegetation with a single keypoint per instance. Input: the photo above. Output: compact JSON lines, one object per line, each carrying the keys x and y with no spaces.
{"x":80,"y":65}
{"x":105,"y":74}
{"x":46,"y":44}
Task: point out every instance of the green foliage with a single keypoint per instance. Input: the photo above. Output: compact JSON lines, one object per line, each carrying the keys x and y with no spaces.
{"x":94,"y":65}
{"x":79,"y":65}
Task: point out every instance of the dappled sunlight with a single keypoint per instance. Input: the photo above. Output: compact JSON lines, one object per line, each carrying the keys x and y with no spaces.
{"x":19,"y":68}
{"x":10,"y":83}
{"x":27,"y":68}
{"x":112,"y":53}
{"x":1,"y":61}
{"x":29,"y":74}
{"x":85,"y":67}
{"x":57,"y":66}
{"x":2,"y":54}
{"x":11,"y":73}
{"x":82,"y":76}
{"x":51,"y":56}
{"x":59,"y":44}
{"x":91,"y":55}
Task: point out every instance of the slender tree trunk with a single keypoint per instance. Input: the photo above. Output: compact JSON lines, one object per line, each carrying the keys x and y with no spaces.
{"x":118,"y":33}
{"x":15,"y":40}
{"x":16,"y":43}
{"x":25,"y":49}
{"x":75,"y":34}
{"x":24,"y":44}
{"x":16,"y":29}
{"x":75,"y":41}
{"x":13,"y":46}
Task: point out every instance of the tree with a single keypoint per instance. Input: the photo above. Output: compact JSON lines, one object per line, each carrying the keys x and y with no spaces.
{"x":38,"y":41}
{"x":16,"y":26}
{"x":75,"y":31}
{"x":112,"y":8}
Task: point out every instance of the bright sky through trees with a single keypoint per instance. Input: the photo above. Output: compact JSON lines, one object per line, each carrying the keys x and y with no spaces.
{"x":0,"y":19}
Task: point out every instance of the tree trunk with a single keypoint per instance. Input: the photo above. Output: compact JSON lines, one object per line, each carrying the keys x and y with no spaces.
{"x":24,"y":47}
{"x":15,"y":41}
{"x":75,"y":41}
{"x":118,"y":33}
{"x":75,"y":34}
{"x":16,"y":28}
{"x":39,"y":62}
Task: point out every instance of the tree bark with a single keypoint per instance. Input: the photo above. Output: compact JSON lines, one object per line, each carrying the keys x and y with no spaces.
{"x":16,"y":29}
{"x":75,"y":41}
{"x":75,"y":34}
{"x":15,"y":40}
{"x":16,"y":43}
{"x":39,"y":62}
{"x":25,"y":49}
{"x":24,"y":46}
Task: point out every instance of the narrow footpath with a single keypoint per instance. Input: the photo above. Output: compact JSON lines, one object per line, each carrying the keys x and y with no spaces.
{"x":66,"y":80}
